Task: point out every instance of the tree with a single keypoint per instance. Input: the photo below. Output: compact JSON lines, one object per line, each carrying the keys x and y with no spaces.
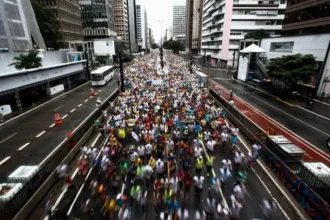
{"x":257,"y":35}
{"x":291,"y":69}
{"x":173,"y":45}
{"x":48,"y":24}
{"x":27,"y":61}
{"x":154,"y":46}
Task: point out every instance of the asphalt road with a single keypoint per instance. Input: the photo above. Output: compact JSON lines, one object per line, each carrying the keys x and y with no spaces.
{"x":314,"y":129}
{"x":29,"y":139}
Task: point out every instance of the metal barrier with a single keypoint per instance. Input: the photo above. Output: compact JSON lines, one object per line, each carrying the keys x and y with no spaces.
{"x":12,"y":207}
{"x":312,"y":193}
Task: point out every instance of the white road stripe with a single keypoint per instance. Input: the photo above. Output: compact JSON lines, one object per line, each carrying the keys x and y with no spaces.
{"x":100,"y":90}
{"x":52,"y":125}
{"x":94,"y":142}
{"x":73,"y":110}
{"x":65,"y":116}
{"x":41,"y":133}
{"x":86,"y":100}
{"x":24,"y":146}
{"x":58,"y":108}
{"x":4,"y":160}
{"x":90,"y":97}
{"x":8,"y":138}
{"x":80,"y":105}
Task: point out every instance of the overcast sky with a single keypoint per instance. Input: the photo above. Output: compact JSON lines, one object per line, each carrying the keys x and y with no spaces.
{"x":157,"y":11}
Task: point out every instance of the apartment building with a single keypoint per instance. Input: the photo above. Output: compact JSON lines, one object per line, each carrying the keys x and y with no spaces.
{"x":98,"y":20}
{"x":179,"y":20}
{"x":226,"y":22}
{"x":121,"y":19}
{"x":18,"y":26}
{"x":189,"y":23}
{"x":132,"y":29}
{"x":307,"y":17}
{"x":197,"y":26}
{"x":68,"y":14}
{"x":142,"y":29}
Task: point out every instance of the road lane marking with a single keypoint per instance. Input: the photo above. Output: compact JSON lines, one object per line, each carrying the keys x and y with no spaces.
{"x":65,"y":116}
{"x":51,"y":153}
{"x":58,"y":108}
{"x":41,"y":133}
{"x":96,"y":139}
{"x":321,"y":116}
{"x":24,"y":146}
{"x":90,"y":97}
{"x":80,"y":105}
{"x":4,"y":160}
{"x":73,"y":110}
{"x":100,"y":90}
{"x":8,"y":138}
{"x":52,"y":125}
{"x":86,"y":100}
{"x":289,"y":104}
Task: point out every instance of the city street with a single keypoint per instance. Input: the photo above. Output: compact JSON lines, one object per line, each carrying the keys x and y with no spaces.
{"x":28,"y":139}
{"x":308,"y":126}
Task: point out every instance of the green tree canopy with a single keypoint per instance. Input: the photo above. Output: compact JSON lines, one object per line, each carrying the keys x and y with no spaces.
{"x":292,"y":68}
{"x":48,"y":24}
{"x":173,"y":45}
{"x":154,"y":46}
{"x":27,"y":61}
{"x":258,"y":34}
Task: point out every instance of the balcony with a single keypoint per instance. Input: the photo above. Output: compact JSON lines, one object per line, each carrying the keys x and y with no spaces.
{"x":307,"y":24}
{"x":253,"y":2}
{"x":257,"y":17}
{"x":212,"y":47}
{"x":211,"y":39}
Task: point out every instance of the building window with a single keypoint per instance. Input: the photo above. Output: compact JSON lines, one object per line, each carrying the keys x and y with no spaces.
{"x":284,"y":47}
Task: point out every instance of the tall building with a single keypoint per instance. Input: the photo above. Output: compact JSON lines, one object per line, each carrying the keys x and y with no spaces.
{"x":121,"y":19}
{"x":197,"y":26}
{"x":225,"y":23}
{"x":307,"y":17}
{"x":132,"y":29}
{"x":15,"y":34}
{"x":98,"y":20}
{"x":189,"y":23}
{"x":142,"y":29}
{"x":68,"y":14}
{"x":179,"y":20}
{"x":169,"y":33}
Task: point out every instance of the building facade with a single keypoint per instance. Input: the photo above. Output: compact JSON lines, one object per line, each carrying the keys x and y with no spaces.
{"x":142,"y":29}
{"x":98,"y":20}
{"x":189,"y":23}
{"x":307,"y":17}
{"x":132,"y":29}
{"x":226,"y":22}
{"x":197,"y":26}
{"x":68,"y":14}
{"x":14,"y":32}
{"x":179,"y":20}
{"x":121,"y":19}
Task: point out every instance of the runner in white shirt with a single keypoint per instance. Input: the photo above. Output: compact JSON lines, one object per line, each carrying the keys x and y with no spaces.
{"x":196,"y":143}
{"x":198,"y":181}
{"x":239,"y":157}
{"x":234,"y":131}
{"x":134,"y":156}
{"x":198,"y":151}
{"x":141,"y":151}
{"x":210,"y":145}
{"x":159,"y":166}
{"x":227,"y":164}
{"x":170,"y":144}
{"x":207,"y":135}
{"x":148,"y":149}
{"x":174,"y":184}
{"x":224,"y":138}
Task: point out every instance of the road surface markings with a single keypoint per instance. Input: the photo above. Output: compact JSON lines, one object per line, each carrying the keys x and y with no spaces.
{"x":100,"y":90}
{"x":321,"y":116}
{"x":65,"y":116}
{"x":80,"y":105}
{"x":4,"y":160}
{"x":52,"y":125}
{"x":73,"y":110}
{"x":24,"y":146}
{"x":86,"y":100}
{"x":8,"y":138}
{"x":91,"y":97}
{"x":96,"y":139}
{"x":289,"y":104}
{"x":41,"y":133}
{"x":58,"y":108}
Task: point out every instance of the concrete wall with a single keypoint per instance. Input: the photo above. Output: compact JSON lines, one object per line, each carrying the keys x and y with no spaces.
{"x":50,"y":58}
{"x":309,"y":44}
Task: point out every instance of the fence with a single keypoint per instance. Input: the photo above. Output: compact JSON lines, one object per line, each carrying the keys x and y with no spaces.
{"x":312,"y":193}
{"x":12,"y":207}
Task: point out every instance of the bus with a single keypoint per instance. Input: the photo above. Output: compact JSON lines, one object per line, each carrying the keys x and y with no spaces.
{"x":102,"y":75}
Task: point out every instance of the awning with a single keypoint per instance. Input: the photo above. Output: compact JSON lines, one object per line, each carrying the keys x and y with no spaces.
{"x":252,"y":49}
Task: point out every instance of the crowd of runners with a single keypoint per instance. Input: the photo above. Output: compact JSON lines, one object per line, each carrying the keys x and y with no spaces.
{"x":163,"y":134}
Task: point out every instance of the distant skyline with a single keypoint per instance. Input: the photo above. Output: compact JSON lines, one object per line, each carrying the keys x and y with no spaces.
{"x":160,"y":15}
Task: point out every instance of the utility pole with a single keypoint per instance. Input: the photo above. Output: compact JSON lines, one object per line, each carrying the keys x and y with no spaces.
{"x":121,"y":72}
